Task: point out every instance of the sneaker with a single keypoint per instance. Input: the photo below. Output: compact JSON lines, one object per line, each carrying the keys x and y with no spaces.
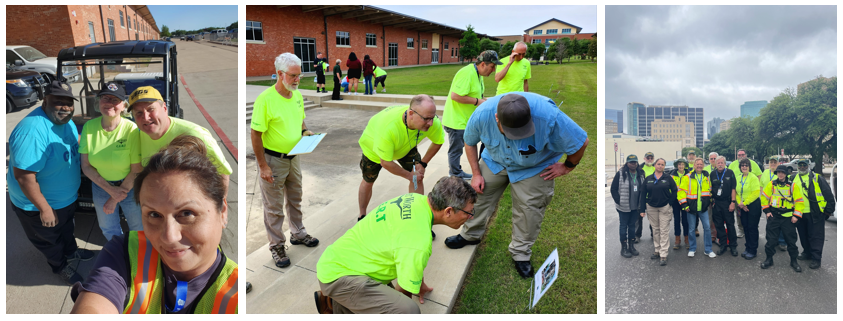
{"x":691,"y":253}
{"x":69,"y":275}
{"x":374,"y":92}
{"x":279,"y":255}
{"x":712,"y":255}
{"x":464,"y":175}
{"x":80,"y":255}
{"x":308,"y":241}
{"x":384,"y":90}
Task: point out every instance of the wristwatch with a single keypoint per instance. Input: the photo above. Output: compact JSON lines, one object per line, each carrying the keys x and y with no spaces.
{"x":570,"y":165}
{"x":423,"y":164}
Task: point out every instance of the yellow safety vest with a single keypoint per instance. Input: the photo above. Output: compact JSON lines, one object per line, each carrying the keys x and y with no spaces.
{"x":696,"y":189}
{"x":811,"y":179}
{"x":679,"y":178}
{"x":147,"y":283}
{"x":787,"y":198}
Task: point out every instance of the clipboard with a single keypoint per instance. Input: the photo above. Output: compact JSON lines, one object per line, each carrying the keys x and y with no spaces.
{"x":307,"y":144}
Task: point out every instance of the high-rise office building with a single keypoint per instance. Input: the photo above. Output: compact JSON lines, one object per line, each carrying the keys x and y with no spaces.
{"x":752,"y":108}
{"x":611,"y":126}
{"x":616,"y":116}
{"x":677,"y":129}
{"x":642,"y":118}
{"x":632,"y":118}
{"x":713,"y":126}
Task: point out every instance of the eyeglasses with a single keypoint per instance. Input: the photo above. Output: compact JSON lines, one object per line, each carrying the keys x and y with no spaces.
{"x":744,"y":165}
{"x":299,"y":76}
{"x":471,"y":214}
{"x":110,"y":99}
{"x":426,"y":119}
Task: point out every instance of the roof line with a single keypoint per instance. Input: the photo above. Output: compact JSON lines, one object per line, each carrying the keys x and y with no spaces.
{"x":554,"y":19}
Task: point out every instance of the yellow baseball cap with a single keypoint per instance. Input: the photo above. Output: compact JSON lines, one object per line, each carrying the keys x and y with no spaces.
{"x":145,"y":93}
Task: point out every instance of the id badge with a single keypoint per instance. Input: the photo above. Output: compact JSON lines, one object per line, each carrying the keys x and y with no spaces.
{"x":775,"y":202}
{"x":719,"y":191}
{"x":635,"y":188}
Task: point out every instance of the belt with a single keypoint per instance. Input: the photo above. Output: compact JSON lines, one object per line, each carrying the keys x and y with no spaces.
{"x":277,"y":154}
{"x":115,"y":183}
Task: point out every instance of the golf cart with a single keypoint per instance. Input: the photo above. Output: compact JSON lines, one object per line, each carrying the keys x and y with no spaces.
{"x":130,"y":63}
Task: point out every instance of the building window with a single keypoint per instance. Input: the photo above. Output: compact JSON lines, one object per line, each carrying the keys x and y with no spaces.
{"x":410,"y":43}
{"x":446,"y":46}
{"x":568,"y":30}
{"x":537,"y":41}
{"x":343,"y":38}
{"x":371,"y":39}
{"x":136,"y":23}
{"x":552,"y":31}
{"x":111,"y":30}
{"x":424,"y":44}
{"x":254,"y":31}
{"x":121,"y":19}
{"x":537,"y":32}
{"x":548,"y":41}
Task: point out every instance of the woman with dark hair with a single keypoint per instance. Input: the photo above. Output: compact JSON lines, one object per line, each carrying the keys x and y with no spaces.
{"x":659,"y":189}
{"x":175,"y":264}
{"x":748,"y":191}
{"x":680,"y":217}
{"x":355,"y":68}
{"x":368,"y":71}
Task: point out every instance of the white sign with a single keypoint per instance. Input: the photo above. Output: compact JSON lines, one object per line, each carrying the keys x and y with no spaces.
{"x":545,"y":276}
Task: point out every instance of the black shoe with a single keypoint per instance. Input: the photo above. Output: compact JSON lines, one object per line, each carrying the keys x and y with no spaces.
{"x":743,"y":254}
{"x":69,"y":275}
{"x":323,"y":303}
{"x":663,"y":261}
{"x":654,"y":256}
{"x":308,"y":241}
{"x":795,"y":265}
{"x":457,"y":242}
{"x":749,"y":256}
{"x":80,"y":255}
{"x":734,"y":251}
{"x":632,"y":250}
{"x":767,"y":263}
{"x":815,"y":264}
{"x":524,"y":268}
{"x":804,"y":256}
{"x":624,"y":252}
{"x":722,"y":250}
{"x":433,"y":234}
{"x":248,"y":287}
{"x":360,"y":218}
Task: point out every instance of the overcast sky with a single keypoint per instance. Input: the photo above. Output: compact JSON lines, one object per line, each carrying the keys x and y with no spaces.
{"x":502,"y":20}
{"x":193,"y":17}
{"x":715,"y":57}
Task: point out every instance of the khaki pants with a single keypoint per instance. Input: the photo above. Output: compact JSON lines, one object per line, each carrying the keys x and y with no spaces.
{"x":530,"y":198}
{"x":660,"y":218}
{"x":363,"y":295}
{"x":287,"y":187}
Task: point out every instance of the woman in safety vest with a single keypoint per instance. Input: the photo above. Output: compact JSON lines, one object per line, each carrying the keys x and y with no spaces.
{"x":697,"y":190}
{"x":680,"y":217}
{"x":747,"y":191}
{"x":175,"y":264}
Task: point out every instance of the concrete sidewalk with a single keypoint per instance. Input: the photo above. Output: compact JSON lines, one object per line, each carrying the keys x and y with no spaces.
{"x":331,"y":179}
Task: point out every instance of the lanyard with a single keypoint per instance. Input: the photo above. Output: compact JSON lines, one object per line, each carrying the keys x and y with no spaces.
{"x":657,"y":179}
{"x":634,"y":176}
{"x":482,"y":85}
{"x":743,"y":179}
{"x":408,"y":129}
{"x":721,"y":177}
{"x":699,"y":185}
{"x":181,"y":296}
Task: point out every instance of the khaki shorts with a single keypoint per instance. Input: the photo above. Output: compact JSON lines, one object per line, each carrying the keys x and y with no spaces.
{"x":371,"y":169}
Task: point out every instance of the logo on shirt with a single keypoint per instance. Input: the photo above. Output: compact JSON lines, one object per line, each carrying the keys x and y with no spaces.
{"x":121,"y":143}
{"x":404,"y":204}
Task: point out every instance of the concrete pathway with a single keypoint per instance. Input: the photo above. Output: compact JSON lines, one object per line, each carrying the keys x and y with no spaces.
{"x":331,"y":179}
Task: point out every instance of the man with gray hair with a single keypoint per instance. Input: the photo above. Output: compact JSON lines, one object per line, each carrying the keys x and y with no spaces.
{"x":393,"y":135}
{"x":515,"y":73}
{"x":277,"y":126}
{"x":356,"y":272}
{"x":712,"y":157}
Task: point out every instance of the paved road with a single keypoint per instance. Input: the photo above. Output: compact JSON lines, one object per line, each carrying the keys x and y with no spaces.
{"x":724,"y":284}
{"x":211,"y":73}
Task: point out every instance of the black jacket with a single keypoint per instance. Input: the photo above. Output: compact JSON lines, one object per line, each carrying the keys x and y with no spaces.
{"x":657,"y":194}
{"x":729,"y":183}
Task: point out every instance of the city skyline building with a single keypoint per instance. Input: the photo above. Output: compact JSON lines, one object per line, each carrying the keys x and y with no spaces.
{"x":752,"y":109}
{"x":616,"y":116}
{"x":713,"y":126}
{"x":640,"y":118}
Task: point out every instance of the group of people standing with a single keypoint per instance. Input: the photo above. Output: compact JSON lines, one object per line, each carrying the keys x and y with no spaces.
{"x":371,"y":73}
{"x":726,"y":201}
{"x":167,"y":176}
{"x":524,"y":135}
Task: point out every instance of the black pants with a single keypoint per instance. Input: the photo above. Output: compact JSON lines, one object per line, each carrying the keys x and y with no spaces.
{"x":335,"y":95}
{"x":725,"y":218}
{"x":778,"y":224}
{"x":627,"y":226}
{"x":811,"y":229}
{"x":55,"y":242}
{"x":750,"y":222}
{"x":680,"y":220}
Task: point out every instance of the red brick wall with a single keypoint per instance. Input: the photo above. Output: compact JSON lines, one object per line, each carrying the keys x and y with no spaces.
{"x":42,"y":27}
{"x":357,"y":39}
{"x":280,"y":26}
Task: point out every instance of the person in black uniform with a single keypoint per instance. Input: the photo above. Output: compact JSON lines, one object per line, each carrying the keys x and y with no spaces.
{"x":659,"y":190}
{"x":319,"y":64}
{"x":723,"y":195}
{"x":337,"y":72}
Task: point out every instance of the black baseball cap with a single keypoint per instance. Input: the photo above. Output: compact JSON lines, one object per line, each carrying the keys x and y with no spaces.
{"x":632,"y":158}
{"x":515,"y":118}
{"x":58,"y":88}
{"x":114,"y":89}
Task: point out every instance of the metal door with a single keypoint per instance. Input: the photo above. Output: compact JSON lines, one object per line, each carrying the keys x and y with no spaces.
{"x":435,"y":58}
{"x":393,"y":54}
{"x":91,"y":33}
{"x":305,"y":49}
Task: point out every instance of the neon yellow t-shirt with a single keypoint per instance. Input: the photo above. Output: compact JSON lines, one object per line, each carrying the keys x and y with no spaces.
{"x":466,"y":83}
{"x":767,"y":176}
{"x":108,"y":152}
{"x":379,"y":72}
{"x":753,"y":168}
{"x":748,"y":188}
{"x":648,"y":169}
{"x":279,"y":119}
{"x":392,"y":242}
{"x":143,"y":146}
{"x":515,"y":76}
{"x":386,"y":137}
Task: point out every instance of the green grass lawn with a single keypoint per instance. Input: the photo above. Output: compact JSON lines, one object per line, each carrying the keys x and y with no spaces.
{"x":570,"y":222}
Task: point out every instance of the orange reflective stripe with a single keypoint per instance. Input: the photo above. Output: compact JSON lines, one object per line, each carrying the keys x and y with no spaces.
{"x":226,"y":300}
{"x":146,"y":271}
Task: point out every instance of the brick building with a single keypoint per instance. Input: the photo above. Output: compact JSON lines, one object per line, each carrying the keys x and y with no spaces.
{"x":389,"y":38}
{"x":52,"y":28}
{"x":547,"y":32}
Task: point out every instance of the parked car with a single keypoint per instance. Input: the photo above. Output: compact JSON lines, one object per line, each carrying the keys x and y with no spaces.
{"x":181,"y":38}
{"x":24,"y":88}
{"x":189,"y":38}
{"x":28,"y":58}
{"x":792,"y":167}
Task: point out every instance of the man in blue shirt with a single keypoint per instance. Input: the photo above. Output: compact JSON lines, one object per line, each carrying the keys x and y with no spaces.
{"x":44,"y":180}
{"x":525,"y":135}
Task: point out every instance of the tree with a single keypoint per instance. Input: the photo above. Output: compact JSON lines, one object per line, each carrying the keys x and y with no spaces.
{"x":573,"y":48}
{"x":696,"y":150}
{"x":583,"y":48}
{"x":165,"y":31}
{"x":562,"y":49}
{"x":506,"y":49}
{"x":535,"y":51}
{"x":592,"y":49}
{"x":469,"y":44}
{"x":551,"y":52}
{"x":489,"y":44}
{"x":233,"y":25}
{"x":719,"y":144}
